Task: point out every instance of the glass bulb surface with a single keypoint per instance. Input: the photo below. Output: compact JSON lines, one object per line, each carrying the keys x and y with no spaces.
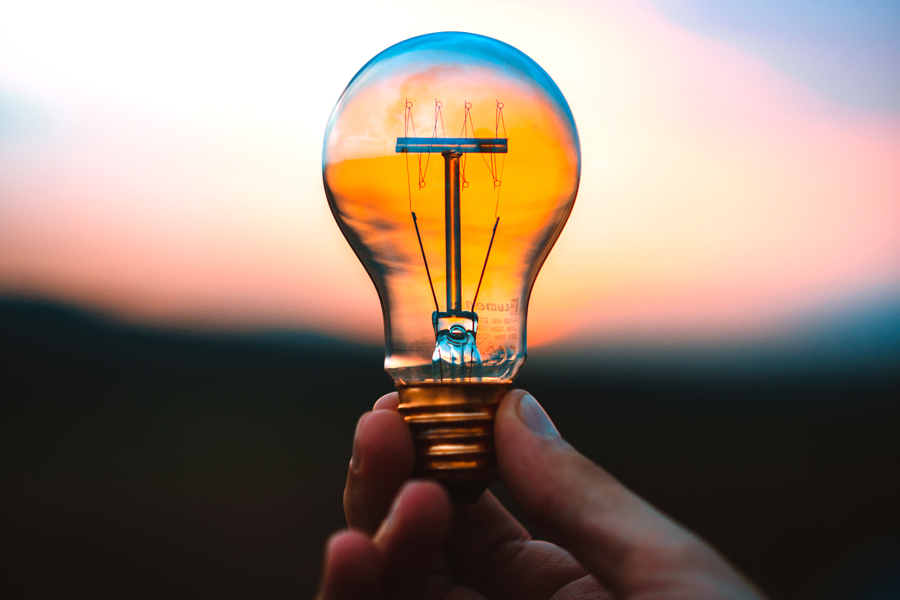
{"x":420,"y":113}
{"x":451,"y":163}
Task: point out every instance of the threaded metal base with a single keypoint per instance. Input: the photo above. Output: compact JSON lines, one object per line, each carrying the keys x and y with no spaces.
{"x":453,"y":430}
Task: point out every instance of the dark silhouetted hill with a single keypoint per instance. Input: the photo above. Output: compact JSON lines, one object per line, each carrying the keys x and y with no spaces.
{"x":146,"y":463}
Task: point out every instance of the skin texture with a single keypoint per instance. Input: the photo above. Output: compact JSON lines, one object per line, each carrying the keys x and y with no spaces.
{"x":407,"y":541}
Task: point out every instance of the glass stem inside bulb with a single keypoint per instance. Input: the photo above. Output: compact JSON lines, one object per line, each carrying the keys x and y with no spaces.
{"x":452,"y":230}
{"x":456,"y":357}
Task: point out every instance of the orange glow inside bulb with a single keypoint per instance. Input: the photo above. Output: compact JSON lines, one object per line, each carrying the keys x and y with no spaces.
{"x":457,"y":86}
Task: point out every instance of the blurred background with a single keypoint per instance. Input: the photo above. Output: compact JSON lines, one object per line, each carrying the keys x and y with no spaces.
{"x":186,"y":341}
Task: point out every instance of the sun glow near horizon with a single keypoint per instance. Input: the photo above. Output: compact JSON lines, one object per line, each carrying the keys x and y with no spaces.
{"x":171,"y":172}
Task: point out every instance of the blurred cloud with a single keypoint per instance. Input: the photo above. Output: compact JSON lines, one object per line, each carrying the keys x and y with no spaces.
{"x":163,"y":161}
{"x":848,"y":51}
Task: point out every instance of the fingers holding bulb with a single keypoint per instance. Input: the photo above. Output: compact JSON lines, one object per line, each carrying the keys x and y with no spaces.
{"x":383,"y":458}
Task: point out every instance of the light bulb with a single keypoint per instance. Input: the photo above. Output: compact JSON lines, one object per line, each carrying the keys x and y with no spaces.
{"x":451,"y":163}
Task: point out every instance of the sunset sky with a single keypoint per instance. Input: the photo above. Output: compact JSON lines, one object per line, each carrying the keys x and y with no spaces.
{"x":740,"y":161}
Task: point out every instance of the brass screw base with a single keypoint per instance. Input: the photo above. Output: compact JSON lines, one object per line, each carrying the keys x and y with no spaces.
{"x":453,"y":430}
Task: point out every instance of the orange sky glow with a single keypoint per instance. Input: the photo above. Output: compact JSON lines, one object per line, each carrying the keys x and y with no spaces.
{"x":180,"y":183}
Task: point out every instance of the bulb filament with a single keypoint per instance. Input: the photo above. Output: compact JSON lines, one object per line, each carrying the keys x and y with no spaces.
{"x":456,"y":355}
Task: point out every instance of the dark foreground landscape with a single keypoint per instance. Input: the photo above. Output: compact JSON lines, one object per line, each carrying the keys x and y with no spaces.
{"x":144,"y":464}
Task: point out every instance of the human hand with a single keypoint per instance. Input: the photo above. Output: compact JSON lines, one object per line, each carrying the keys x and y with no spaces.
{"x":406,"y":540}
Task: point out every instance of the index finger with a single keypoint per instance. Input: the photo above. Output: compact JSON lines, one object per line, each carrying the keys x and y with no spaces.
{"x":383,"y":458}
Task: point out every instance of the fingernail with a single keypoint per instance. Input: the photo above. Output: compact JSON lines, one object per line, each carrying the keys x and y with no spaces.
{"x":356,"y":458}
{"x":532,"y":414}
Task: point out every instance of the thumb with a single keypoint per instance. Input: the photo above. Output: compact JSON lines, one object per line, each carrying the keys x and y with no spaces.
{"x":624,"y":541}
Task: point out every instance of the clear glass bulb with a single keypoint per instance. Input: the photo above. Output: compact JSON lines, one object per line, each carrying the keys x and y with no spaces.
{"x":451,"y":163}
